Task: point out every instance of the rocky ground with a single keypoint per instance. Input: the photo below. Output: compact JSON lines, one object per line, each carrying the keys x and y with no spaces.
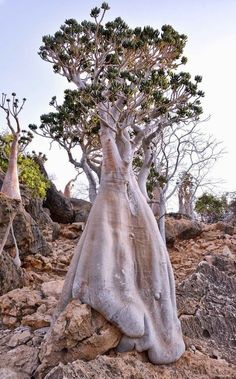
{"x":82,"y":343}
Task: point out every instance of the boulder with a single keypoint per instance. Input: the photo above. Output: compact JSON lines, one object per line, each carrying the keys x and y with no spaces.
{"x":81,"y":209}
{"x":181,"y":228}
{"x":225,"y":228}
{"x":28,"y":307}
{"x":36,"y":210}
{"x":19,"y":350}
{"x":207,"y":306}
{"x":27,"y":233}
{"x":11,"y":277}
{"x":78,"y":333}
{"x":18,"y":303}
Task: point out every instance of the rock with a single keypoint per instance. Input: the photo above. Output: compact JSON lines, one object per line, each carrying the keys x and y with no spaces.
{"x":36,"y":210}
{"x":52,"y":288}
{"x":207,"y":306}
{"x":72,"y":231}
{"x":19,"y":338}
{"x":37,"y":320}
{"x":22,"y":359}
{"x":78,"y":333}
{"x":135,"y":366}
{"x":11,"y":277}
{"x":19,"y":352}
{"x":81,"y":209}
{"x":18,"y":303}
{"x":60,"y":208}
{"x":7,"y":373}
{"x":225,"y":228}
{"x":28,"y":235}
{"x":181,"y":229}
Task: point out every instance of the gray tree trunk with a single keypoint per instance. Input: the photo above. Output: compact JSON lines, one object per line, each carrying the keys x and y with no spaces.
{"x":121,"y":267}
{"x":161,"y":220}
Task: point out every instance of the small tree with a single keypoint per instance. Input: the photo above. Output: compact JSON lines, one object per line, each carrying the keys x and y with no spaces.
{"x":211,"y":208}
{"x":29,"y":171}
{"x":10,"y":186}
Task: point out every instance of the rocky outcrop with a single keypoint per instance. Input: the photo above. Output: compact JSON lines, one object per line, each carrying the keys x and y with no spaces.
{"x":207,"y":306}
{"x":36,"y":210}
{"x":181,"y":228}
{"x":30,"y":240}
{"x":81,"y":209}
{"x":78,"y":333}
{"x":10,"y":276}
{"x":29,"y":237}
{"x":133,"y":365}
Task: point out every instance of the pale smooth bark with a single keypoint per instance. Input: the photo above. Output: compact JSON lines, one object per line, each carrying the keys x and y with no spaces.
{"x":158,"y":206}
{"x":11,"y":186}
{"x":91,"y":180}
{"x":121,"y":267}
{"x":145,"y":169}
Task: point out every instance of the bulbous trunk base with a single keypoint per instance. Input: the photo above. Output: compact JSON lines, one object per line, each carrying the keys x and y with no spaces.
{"x":121,"y":269}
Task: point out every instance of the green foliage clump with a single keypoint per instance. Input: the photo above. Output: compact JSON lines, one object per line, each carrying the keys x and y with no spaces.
{"x":211,"y":208}
{"x":32,"y":177}
{"x":29,"y":171}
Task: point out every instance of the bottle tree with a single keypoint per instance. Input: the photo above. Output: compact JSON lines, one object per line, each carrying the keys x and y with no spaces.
{"x":120,"y":266}
{"x":10,"y":186}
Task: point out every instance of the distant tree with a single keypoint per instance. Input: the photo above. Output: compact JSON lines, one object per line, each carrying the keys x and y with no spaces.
{"x":182,"y":156}
{"x":211,"y":208}
{"x":127,"y":88}
{"x":69,"y":186}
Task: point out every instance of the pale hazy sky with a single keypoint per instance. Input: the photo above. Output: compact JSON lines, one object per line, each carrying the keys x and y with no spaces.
{"x":211,"y":50}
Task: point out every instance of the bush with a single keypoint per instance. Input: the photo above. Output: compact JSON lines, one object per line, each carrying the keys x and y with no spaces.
{"x":211,"y":208}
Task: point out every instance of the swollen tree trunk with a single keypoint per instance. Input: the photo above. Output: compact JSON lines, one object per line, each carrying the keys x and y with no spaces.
{"x":121,"y":267}
{"x":10,"y":186}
